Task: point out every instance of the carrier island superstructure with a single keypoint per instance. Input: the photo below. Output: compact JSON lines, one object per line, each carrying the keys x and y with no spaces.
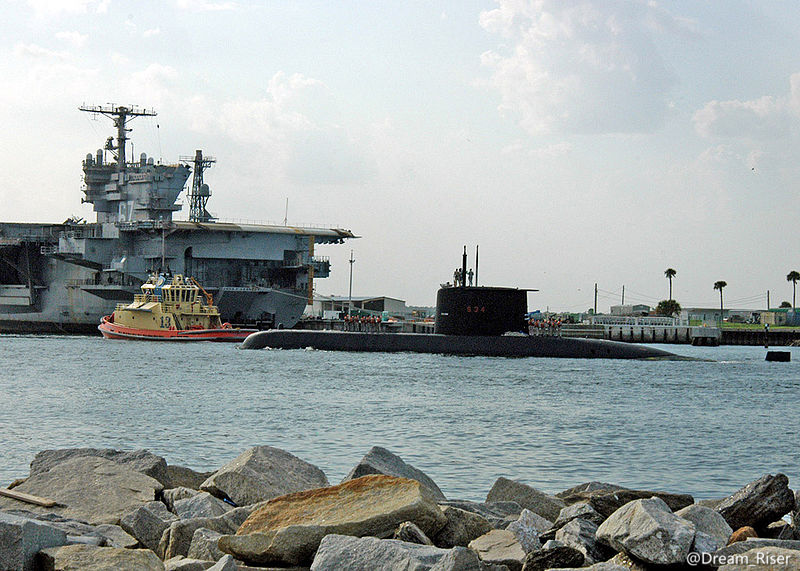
{"x":65,"y":277}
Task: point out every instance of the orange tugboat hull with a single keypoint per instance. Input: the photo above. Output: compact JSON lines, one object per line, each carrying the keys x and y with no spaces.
{"x":111,"y":330}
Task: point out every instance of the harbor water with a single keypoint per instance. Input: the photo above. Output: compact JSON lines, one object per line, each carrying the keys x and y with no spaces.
{"x":704,"y":428}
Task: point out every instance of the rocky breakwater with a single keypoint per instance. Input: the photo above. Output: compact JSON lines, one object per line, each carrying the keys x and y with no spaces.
{"x":107,"y":509}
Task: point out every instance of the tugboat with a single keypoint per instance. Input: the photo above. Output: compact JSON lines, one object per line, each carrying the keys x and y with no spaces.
{"x":170,"y":309}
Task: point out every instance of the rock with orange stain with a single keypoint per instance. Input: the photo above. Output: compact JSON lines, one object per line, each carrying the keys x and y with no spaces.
{"x":742,"y":534}
{"x":288,"y":530}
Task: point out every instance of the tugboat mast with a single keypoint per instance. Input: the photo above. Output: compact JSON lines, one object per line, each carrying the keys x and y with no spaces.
{"x":120,"y":115}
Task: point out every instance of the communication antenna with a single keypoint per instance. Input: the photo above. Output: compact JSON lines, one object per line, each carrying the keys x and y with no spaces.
{"x":120,"y":115}
{"x":200,"y":193}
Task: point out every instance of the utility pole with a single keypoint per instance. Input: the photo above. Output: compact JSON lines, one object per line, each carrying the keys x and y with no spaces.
{"x":595,"y":298}
{"x":350,"y":295}
{"x":623,"y":295}
{"x":767,"y":300}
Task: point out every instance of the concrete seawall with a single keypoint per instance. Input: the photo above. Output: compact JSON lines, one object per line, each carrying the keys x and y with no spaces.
{"x":496,"y":346}
{"x":683,"y":334}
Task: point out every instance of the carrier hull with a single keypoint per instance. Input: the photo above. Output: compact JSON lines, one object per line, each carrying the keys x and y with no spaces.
{"x":63,"y":278}
{"x":70,"y":296}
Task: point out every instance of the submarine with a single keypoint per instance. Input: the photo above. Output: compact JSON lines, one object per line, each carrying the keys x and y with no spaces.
{"x":471,"y":320}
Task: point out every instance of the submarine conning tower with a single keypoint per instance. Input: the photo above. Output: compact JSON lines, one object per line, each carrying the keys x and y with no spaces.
{"x":463,"y":309}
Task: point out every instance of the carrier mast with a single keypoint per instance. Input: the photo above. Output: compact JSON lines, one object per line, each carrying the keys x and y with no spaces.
{"x":198,"y":197}
{"x":120,"y":115}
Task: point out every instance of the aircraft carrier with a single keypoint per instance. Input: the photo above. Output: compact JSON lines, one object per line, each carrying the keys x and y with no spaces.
{"x":62,"y":278}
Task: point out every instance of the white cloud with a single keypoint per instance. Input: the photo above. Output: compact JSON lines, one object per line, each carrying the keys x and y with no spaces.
{"x":73,"y":38}
{"x":151,"y":32}
{"x":763,"y":118}
{"x":156,"y":74}
{"x":767,"y":118}
{"x":581,"y":66}
{"x":155,"y":84}
{"x":546,"y":152}
{"x":54,"y":8}
{"x":282,"y":128}
{"x":206,"y":6}
{"x":38,"y":52}
{"x":119,"y":59}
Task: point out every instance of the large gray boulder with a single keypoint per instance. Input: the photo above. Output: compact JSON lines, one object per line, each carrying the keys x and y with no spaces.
{"x":631,"y":564}
{"x":116,"y":536}
{"x":498,"y":514}
{"x":287,"y":530}
{"x":461,"y":528}
{"x":705,"y":543}
{"x":172,"y":495}
{"x":580,"y":534}
{"x":337,"y":552}
{"x":140,"y":461}
{"x":147,"y":522}
{"x":74,"y":528}
{"x":759,"y":503}
{"x":463,"y":559}
{"x":527,"y":530}
{"x":21,"y":538}
{"x":200,"y":505}
{"x":707,"y":520}
{"x":526,"y":496}
{"x":177,"y":538}
{"x":204,"y":545}
{"x":81,"y":532}
{"x":768,"y":558}
{"x":577,"y":510}
{"x":499,"y":547}
{"x":593,"y":486}
{"x":411,"y":533}
{"x":605,"y":502}
{"x":226,"y":563}
{"x":88,"y":488}
{"x":92,"y":558}
{"x":262,"y":473}
{"x":755,"y":542}
{"x":180,"y":563}
{"x":183,"y":477}
{"x":380,"y":461}
{"x":649,"y":531}
{"x":554,"y":557}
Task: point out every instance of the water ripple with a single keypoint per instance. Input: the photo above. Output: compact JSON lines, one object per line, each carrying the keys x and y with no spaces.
{"x":697,"y":427}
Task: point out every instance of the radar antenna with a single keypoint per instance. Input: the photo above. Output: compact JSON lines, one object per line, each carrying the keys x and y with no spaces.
{"x":198,"y":197}
{"x":120,"y":115}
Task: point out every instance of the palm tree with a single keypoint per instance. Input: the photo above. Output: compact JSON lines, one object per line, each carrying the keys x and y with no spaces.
{"x":670,"y":273}
{"x":793,"y":277}
{"x":719,"y":285}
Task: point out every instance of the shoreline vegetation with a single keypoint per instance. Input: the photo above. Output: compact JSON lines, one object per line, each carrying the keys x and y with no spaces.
{"x":111,"y":509}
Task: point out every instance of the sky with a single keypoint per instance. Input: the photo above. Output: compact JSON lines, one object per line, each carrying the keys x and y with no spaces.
{"x":575,"y":142}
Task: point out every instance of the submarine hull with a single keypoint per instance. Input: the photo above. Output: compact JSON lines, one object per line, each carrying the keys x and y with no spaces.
{"x":485,"y":345}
